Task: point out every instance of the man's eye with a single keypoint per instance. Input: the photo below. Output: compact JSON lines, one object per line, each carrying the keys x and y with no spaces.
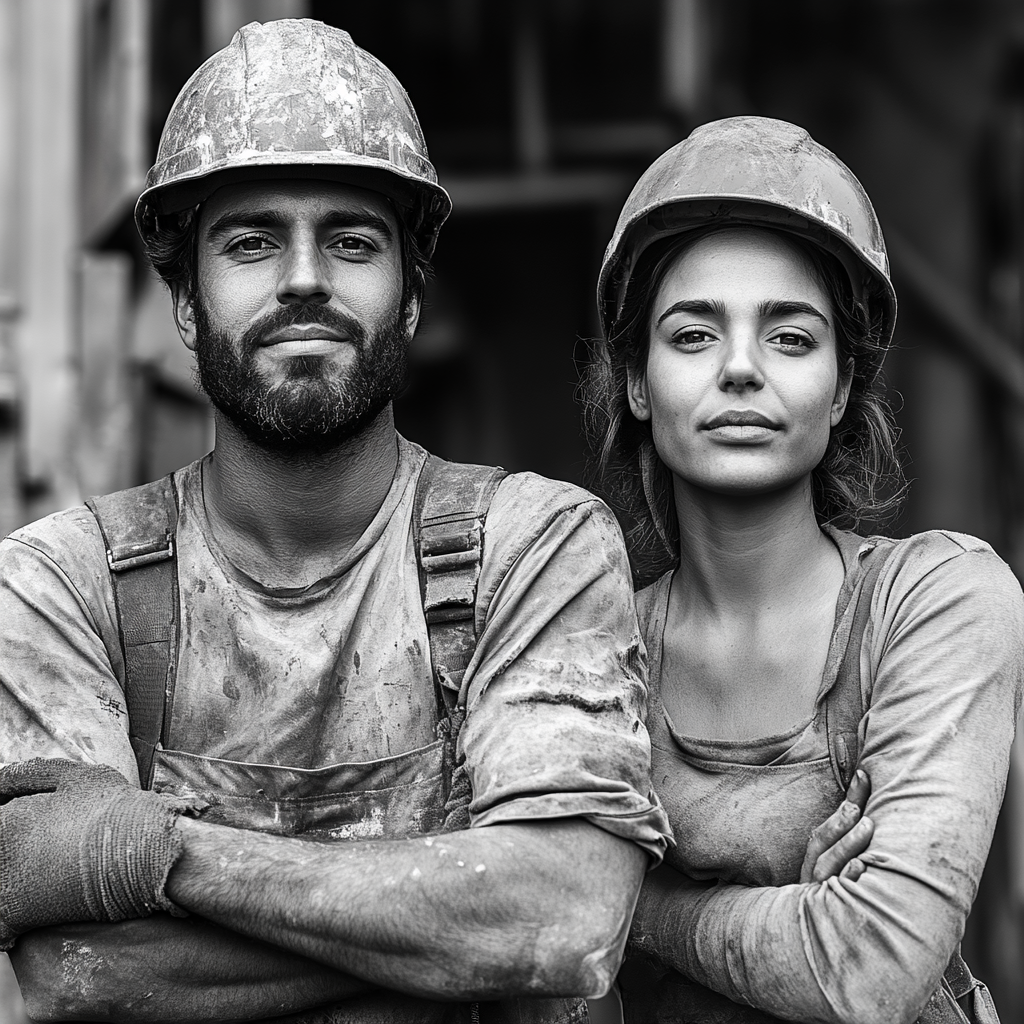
{"x":252,"y":244}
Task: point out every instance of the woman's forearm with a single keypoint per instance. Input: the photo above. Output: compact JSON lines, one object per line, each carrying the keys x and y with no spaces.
{"x":837,"y":952}
{"x":163,"y":968}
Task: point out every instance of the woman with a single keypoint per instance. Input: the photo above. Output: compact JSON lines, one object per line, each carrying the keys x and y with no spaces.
{"x":737,"y":422}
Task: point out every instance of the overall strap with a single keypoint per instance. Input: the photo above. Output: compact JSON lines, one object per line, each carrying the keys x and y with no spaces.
{"x":138,"y":528}
{"x":450,"y":508}
{"x":844,"y":705}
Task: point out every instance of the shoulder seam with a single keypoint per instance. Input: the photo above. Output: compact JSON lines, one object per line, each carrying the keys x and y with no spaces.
{"x":950,"y":557}
{"x":532,"y":539}
{"x":63,"y":573}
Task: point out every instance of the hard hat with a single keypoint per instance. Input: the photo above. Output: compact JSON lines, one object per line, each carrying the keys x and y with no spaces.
{"x":294,"y":98}
{"x":752,"y":171}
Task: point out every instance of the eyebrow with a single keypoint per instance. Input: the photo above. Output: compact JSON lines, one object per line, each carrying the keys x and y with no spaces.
{"x":234,"y":221}
{"x":698,"y":307}
{"x":772,"y":308}
{"x":775,"y":308}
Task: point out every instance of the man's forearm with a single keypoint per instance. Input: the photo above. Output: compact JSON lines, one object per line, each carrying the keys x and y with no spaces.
{"x":162,"y":968}
{"x":516,"y":909}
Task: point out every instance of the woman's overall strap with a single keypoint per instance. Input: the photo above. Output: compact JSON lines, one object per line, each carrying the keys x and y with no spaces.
{"x":844,"y":707}
{"x":449,"y":512}
{"x":138,"y":528}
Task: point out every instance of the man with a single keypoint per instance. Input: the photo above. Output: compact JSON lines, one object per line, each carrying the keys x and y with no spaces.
{"x":311,"y":633}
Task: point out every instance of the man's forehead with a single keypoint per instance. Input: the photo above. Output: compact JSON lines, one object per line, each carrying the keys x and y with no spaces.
{"x":298,"y":198}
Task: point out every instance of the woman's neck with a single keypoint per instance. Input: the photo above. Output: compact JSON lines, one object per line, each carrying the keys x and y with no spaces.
{"x":741,"y":555}
{"x":750,"y":613}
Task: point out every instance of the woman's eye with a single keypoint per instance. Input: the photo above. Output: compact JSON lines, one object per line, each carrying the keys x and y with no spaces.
{"x":693,"y":338}
{"x":793,"y":341}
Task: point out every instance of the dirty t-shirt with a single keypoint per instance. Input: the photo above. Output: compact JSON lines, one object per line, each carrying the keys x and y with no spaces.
{"x":941,"y":665}
{"x":341,"y":672}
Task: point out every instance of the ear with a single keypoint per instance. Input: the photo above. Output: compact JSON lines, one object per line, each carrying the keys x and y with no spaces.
{"x":413,"y":307}
{"x":184,"y":316}
{"x":842,"y":395}
{"x":636,"y":391}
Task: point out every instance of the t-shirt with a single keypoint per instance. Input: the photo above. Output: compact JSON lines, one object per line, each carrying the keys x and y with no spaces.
{"x":556,"y":692}
{"x":340,"y":673}
{"x":941,"y":670}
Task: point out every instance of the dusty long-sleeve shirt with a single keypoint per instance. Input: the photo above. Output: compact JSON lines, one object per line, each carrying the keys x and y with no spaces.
{"x":941,"y":674}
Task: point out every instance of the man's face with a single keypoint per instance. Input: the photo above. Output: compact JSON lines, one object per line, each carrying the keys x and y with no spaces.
{"x":298,"y":322}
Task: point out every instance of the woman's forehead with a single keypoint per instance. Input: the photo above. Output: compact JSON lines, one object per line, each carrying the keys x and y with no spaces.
{"x":741,"y":260}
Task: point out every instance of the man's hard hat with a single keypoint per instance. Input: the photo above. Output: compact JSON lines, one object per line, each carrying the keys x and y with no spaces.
{"x":752,"y":171}
{"x":294,"y":98}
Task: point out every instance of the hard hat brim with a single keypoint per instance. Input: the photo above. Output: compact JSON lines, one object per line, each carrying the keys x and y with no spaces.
{"x":426,"y":201}
{"x":868,"y":273}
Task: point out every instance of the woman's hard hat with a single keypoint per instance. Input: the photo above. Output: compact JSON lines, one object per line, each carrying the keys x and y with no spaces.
{"x":751,"y":171}
{"x":294,"y":98}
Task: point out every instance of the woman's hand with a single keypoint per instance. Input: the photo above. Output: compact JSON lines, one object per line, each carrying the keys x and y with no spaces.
{"x":661,"y":914}
{"x":835,"y":845}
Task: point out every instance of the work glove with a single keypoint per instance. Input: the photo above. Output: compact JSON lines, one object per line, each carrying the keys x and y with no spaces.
{"x":79,"y":843}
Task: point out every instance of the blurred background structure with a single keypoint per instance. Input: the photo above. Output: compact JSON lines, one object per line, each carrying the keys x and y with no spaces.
{"x":539,"y":115}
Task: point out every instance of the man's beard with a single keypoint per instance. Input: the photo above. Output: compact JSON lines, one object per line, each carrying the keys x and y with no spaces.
{"x":316,"y":407}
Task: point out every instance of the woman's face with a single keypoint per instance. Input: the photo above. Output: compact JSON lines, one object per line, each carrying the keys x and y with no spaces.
{"x":742,"y":383}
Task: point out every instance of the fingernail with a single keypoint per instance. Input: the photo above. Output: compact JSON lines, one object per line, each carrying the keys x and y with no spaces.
{"x":861,"y":776}
{"x":865,"y":822}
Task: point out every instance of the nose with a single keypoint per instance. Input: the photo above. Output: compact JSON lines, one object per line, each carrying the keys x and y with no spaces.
{"x":304,"y":275}
{"x":741,"y":367}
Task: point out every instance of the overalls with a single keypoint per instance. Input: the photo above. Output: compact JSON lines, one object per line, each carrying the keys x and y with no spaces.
{"x":416,"y":793}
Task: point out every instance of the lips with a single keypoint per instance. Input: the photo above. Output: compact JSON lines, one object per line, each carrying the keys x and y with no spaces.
{"x":741,"y":418}
{"x":302,"y":332}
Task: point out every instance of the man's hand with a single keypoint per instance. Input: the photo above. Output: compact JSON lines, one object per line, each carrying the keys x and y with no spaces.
{"x":78,"y":843}
{"x":538,"y":908}
{"x":163,"y":969}
{"x":835,"y":845}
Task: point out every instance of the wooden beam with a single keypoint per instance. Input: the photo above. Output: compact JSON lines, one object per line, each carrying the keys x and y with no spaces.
{"x":504,"y":192}
{"x":11,"y":512}
{"x":968,"y":328}
{"x":115,"y":109}
{"x":48,"y":244}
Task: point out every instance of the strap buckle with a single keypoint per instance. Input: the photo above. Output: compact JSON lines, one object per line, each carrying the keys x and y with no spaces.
{"x":142,"y":554}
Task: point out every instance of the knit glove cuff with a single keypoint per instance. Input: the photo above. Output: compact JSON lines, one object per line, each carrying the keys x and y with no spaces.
{"x":78,"y":843}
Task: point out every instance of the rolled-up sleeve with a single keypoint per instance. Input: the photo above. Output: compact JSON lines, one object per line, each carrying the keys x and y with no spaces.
{"x":557,"y":688}
{"x":60,"y":694}
{"x":942,"y":671}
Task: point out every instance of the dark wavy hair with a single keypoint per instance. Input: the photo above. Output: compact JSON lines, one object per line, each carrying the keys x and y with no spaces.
{"x":171,"y":241}
{"x":858,"y":479}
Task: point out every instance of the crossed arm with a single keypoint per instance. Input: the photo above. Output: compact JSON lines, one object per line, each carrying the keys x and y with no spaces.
{"x":872,"y":944}
{"x":288,"y":925}
{"x":165,"y":968}
{"x":281,"y":925}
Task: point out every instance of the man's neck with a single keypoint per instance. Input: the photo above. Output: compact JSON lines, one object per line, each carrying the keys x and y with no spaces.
{"x":288,"y":520}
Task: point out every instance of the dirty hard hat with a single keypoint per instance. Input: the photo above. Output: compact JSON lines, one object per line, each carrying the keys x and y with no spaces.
{"x":294,"y":98}
{"x":751,"y":171}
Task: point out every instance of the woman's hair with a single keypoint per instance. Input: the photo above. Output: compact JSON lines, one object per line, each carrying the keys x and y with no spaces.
{"x":859,"y":477}
{"x":171,"y":247}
